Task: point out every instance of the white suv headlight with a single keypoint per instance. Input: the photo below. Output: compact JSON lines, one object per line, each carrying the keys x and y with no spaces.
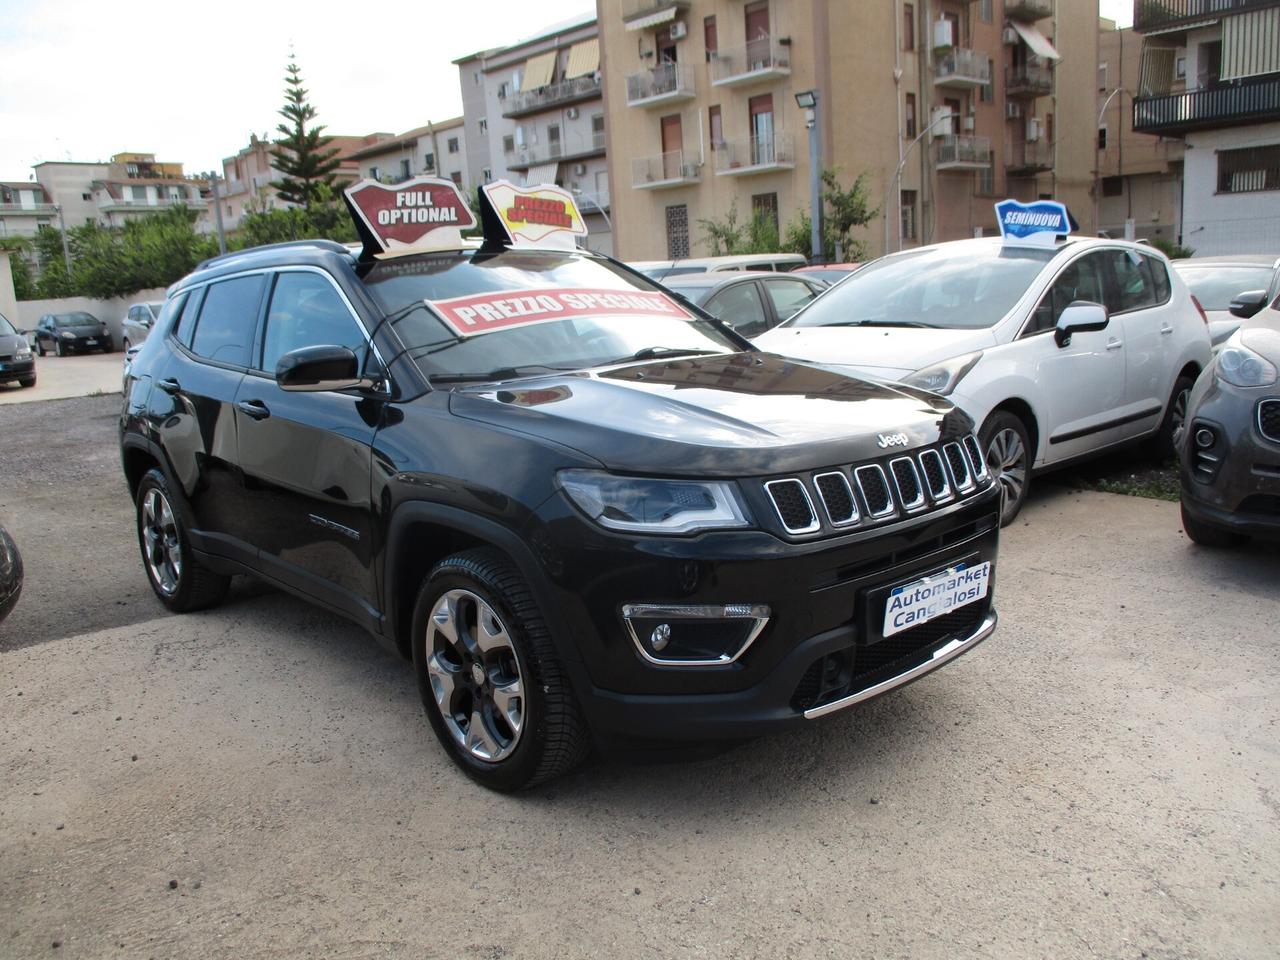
{"x":650,"y":505}
{"x":942,"y":378}
{"x":1239,"y":365}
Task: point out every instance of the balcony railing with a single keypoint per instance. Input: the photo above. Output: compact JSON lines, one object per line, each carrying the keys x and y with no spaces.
{"x":132,"y":204}
{"x":963,"y":68}
{"x":554,"y":95}
{"x":1028,"y":156}
{"x":664,"y":84}
{"x":1151,"y":16}
{"x":755,"y":155}
{"x":36,"y":210}
{"x":956,"y":152}
{"x":1028,"y":10}
{"x":663,"y":171}
{"x":759,"y":60}
{"x":576,"y":147}
{"x":1223,"y":106}
{"x":1028,"y":80}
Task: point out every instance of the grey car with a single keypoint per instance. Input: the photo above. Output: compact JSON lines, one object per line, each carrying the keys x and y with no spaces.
{"x":16,"y":362}
{"x":137,"y":323}
{"x":1229,"y":449}
{"x":1229,"y":289}
{"x":750,"y":301}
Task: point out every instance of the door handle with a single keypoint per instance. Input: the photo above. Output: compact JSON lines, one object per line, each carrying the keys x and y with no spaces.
{"x":254,"y":409}
{"x":169,"y":386}
{"x":1114,"y":344}
{"x":1166,"y":329}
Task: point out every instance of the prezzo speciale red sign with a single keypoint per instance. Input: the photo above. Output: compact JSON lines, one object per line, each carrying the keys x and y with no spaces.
{"x":503,"y":309}
{"x":423,"y":212}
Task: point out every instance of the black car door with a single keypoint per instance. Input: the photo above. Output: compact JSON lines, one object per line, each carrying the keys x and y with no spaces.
{"x":306,"y":457}
{"x":210,"y":350}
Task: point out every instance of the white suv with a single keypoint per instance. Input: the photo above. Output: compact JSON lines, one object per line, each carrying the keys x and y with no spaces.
{"x":1059,"y":353}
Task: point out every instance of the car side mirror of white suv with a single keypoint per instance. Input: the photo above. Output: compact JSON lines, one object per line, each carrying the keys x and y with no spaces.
{"x":1080,"y":316}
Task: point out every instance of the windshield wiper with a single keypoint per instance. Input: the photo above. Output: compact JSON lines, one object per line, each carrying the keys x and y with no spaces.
{"x":502,"y":373}
{"x":653,"y":353}
{"x":882,"y":323}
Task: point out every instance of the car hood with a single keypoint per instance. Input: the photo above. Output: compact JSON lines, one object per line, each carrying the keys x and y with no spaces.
{"x":892,"y":352}
{"x":732,"y":415}
{"x":11,"y":343}
{"x":1261,"y":334}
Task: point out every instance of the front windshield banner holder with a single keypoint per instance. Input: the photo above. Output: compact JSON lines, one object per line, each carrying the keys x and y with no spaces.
{"x":421,"y":214}
{"x":541,"y":216}
{"x":1038,"y":224}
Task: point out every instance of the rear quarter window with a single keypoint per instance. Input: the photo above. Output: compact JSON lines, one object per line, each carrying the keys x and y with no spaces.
{"x":1159,"y":278}
{"x":186,"y":321}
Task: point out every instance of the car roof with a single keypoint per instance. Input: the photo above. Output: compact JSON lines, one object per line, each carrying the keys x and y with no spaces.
{"x":1237,"y":260}
{"x":717,"y":264}
{"x":719,"y":279}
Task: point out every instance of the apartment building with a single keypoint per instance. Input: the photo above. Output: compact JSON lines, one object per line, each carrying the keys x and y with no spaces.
{"x":535,"y":114}
{"x":438,"y":149}
{"x":1210,"y":74}
{"x":1139,"y":189}
{"x":946,"y":105}
{"x":24,"y":209}
{"x":128,"y":186}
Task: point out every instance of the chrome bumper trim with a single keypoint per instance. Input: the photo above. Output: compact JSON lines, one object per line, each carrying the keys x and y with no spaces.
{"x":940,"y":656}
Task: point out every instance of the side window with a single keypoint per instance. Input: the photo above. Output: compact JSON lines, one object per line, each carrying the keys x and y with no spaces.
{"x":1129,"y":286}
{"x":739,"y":306}
{"x":224,"y":331}
{"x":1159,"y":278}
{"x":307,"y":312}
{"x":788,"y":296}
{"x":133,"y":314}
{"x":187,"y":318}
{"x":1080,"y":280}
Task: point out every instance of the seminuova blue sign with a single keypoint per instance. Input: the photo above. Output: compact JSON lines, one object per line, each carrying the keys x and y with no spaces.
{"x":1039,"y":223}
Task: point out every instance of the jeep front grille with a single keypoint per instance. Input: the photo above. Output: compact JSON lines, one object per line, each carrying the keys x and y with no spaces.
{"x":1269,"y":420}
{"x":795,"y":509}
{"x":907,"y":480}
{"x":837,"y":498}
{"x":976,"y":459}
{"x":875,"y":491}
{"x":959,"y":465}
{"x":935,"y":475}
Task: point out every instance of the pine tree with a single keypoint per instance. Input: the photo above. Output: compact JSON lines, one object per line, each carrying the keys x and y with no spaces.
{"x":302,"y":154}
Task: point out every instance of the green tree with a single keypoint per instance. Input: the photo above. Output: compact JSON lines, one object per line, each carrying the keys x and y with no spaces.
{"x":843,"y":211}
{"x":1172,"y":250}
{"x":54,"y":280}
{"x":19,"y":249}
{"x":722,"y":236}
{"x":302,"y":154}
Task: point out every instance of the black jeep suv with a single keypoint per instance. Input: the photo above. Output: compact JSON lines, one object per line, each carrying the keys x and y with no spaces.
{"x":607,"y":519}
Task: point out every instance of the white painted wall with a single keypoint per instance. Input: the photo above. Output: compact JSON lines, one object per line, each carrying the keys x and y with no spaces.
{"x":8,"y":302}
{"x":113,"y":310}
{"x":1214,"y":224}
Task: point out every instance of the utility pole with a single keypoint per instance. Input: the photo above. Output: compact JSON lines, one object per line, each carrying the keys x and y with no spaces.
{"x":807,"y":100}
{"x":66,"y":249}
{"x":217,"y":214}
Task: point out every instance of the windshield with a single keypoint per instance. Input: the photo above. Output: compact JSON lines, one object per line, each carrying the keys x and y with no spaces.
{"x":6,"y":328}
{"x":468,"y":314}
{"x":74,"y":319}
{"x":954,"y":286}
{"x":1215,"y":287}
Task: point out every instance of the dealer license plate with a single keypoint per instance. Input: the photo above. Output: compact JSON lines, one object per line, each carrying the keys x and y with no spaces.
{"x":91,"y":342}
{"x":935,"y":595}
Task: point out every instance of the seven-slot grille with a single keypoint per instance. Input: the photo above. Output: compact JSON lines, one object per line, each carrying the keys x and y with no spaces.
{"x":1269,"y":420}
{"x":871,"y":492}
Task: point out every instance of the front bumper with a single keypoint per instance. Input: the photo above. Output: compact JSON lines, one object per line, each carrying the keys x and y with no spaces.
{"x":17,"y":369}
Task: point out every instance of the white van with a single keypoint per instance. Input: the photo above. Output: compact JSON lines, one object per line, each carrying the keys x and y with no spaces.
{"x":776,"y":262}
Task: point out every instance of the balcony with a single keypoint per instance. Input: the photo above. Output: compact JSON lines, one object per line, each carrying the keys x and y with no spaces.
{"x":963,"y":69}
{"x":559,"y":151}
{"x":554,"y":95}
{"x":1159,"y":16}
{"x":955,"y":152}
{"x":756,"y":62}
{"x":664,"y":171}
{"x":668,"y":83}
{"x":111,"y":204}
{"x":34,"y":210}
{"x":737,"y":158}
{"x":642,"y":14}
{"x":1028,"y":81}
{"x":1225,"y":106}
{"x":1028,"y":11}
{"x":1027,"y":158}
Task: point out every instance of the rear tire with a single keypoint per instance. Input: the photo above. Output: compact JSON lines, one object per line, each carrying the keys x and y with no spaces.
{"x":39,"y":348}
{"x":491,"y":682}
{"x":1007,"y":445}
{"x":1209,"y":536}
{"x":126,"y":345}
{"x":179,"y":580}
{"x":1174,"y":416}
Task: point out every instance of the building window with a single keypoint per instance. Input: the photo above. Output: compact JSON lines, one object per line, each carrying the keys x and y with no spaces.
{"x":986,"y":186}
{"x":764,"y":206}
{"x":909,"y":115}
{"x":986,"y":92}
{"x":1102,"y":138}
{"x":553,"y":139}
{"x":86,"y":196}
{"x":429,"y":162}
{"x":716,"y":127}
{"x":1180,"y":68}
{"x":404,"y":170}
{"x":709,"y":37}
{"x":456,"y":177}
{"x":597,"y":131}
{"x":1249,"y":169}
{"x":908,"y":26}
{"x":476,"y":77}
{"x":484,"y":126}
{"x":1113,"y":186}
{"x":487,"y":174}
{"x":503,"y":89}
{"x":1102,"y":75}
{"x":453,"y":144}
{"x":373,"y":174}
{"x":908,"y":205}
{"x":984,"y":11}
{"x":677,"y":232}
{"x":508,"y":143}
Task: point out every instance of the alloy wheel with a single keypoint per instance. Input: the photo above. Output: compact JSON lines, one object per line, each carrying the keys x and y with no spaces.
{"x":1179,"y":410}
{"x":1007,"y":460}
{"x":161,"y":545}
{"x":475,"y":675}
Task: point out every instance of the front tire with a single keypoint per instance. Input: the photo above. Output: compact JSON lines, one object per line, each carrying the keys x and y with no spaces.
{"x":1175,"y":415}
{"x":59,"y":349}
{"x":28,"y":382}
{"x":40,"y":351}
{"x":1007,"y":443}
{"x":179,"y":580}
{"x":1207,"y":536}
{"x":491,"y":681}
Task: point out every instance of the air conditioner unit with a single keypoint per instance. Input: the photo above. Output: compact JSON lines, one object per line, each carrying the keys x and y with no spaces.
{"x":1012,"y":110}
{"x":967,"y":124}
{"x":689,"y":170}
{"x":937,"y":126}
{"x":679,"y":30}
{"x":580,"y":169}
{"x":1033,"y":130}
{"x":1010,"y":36}
{"x":572,"y":113}
{"x":942,"y":34}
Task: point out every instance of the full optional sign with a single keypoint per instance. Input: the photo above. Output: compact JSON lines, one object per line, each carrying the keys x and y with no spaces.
{"x":1036,"y":224}
{"x":504,"y":309}
{"x":543,"y":215}
{"x":422,"y":213}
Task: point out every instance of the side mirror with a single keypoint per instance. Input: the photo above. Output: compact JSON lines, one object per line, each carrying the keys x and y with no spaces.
{"x":1245,"y":305}
{"x":1080,"y":316}
{"x":328,"y":367}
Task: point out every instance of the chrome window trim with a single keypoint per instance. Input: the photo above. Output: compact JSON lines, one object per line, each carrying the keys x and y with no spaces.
{"x":857,"y":516}
{"x":728,"y":611}
{"x":816,"y":525}
{"x":947,"y":492}
{"x":892,"y":508}
{"x":919,"y":501}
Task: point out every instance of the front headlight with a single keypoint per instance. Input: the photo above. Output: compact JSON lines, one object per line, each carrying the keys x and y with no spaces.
{"x":1239,"y":365}
{"x":942,"y":378}
{"x":646,"y":505}
{"x":67,"y":335}
{"x":24,"y":353}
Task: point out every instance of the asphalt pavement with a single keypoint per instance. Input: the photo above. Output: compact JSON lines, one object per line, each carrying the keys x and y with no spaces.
{"x":1100,"y":779}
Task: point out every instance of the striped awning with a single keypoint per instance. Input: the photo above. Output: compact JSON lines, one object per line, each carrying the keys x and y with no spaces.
{"x":653,"y":19}
{"x":540,"y":174}
{"x":584,"y":59}
{"x":538,"y":71}
{"x":1037,"y":41}
{"x":1251,"y":44}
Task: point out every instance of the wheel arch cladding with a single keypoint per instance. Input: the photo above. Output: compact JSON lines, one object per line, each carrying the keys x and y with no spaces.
{"x":137,"y":461}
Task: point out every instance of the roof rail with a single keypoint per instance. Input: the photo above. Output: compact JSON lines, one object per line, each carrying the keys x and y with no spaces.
{"x":331,"y":245}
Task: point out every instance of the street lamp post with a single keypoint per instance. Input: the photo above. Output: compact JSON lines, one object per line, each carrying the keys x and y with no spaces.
{"x":66,"y":249}
{"x":578,"y":193}
{"x":807,"y":100}
{"x":1097,"y":156}
{"x":897,"y":175}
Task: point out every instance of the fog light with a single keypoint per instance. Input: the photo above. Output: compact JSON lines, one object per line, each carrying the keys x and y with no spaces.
{"x":1205,"y":438}
{"x":694,"y":635}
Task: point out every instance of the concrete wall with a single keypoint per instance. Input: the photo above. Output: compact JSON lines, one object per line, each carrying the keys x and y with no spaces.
{"x":8,"y":302}
{"x":1216,"y":223}
{"x":113,"y":311}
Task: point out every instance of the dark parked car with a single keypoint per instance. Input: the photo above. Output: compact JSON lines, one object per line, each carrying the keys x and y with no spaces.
{"x":16,"y":362}
{"x":65,"y":333}
{"x":585,"y":513}
{"x":750,"y":301}
{"x":1230,"y":448}
{"x":10,"y":573}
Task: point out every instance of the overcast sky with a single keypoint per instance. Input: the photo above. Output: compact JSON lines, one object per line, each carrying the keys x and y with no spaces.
{"x":189,"y":82}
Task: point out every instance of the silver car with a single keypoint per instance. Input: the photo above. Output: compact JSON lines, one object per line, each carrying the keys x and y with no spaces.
{"x":1218,"y":282}
{"x":138,"y":323}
